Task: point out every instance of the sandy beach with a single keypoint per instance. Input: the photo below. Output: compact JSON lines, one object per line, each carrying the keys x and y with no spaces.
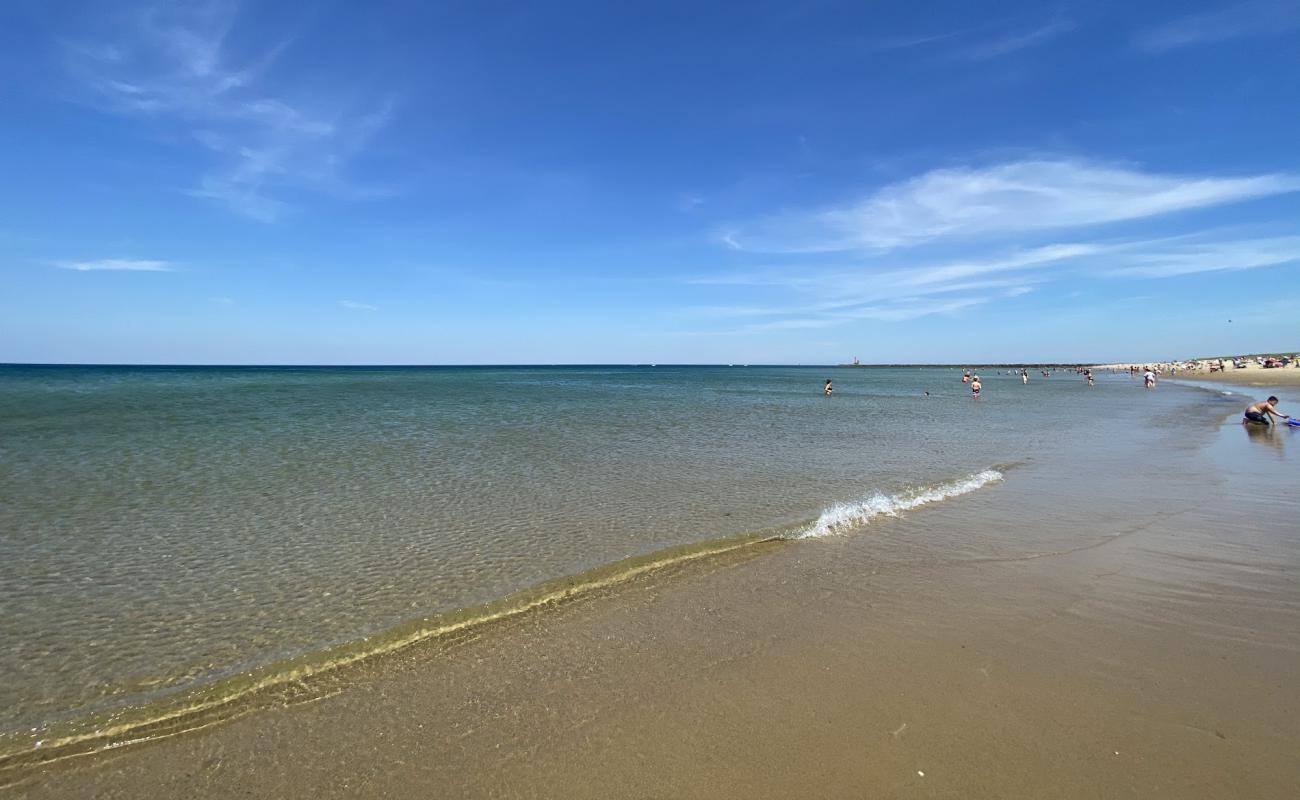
{"x":1247,"y":377}
{"x":1018,"y":642}
{"x":1249,"y":374}
{"x":625,"y":401}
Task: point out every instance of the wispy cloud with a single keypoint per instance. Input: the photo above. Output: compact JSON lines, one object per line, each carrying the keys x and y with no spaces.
{"x":1007,"y":198}
{"x":899,"y":310}
{"x":907,"y":42}
{"x":1187,"y":259}
{"x":117,"y":264}
{"x":172,"y":63}
{"x":879,"y":290}
{"x":1265,"y":18}
{"x":357,"y":306}
{"x":814,"y":298}
{"x":689,"y":202}
{"x":876,"y":279}
{"x":990,"y":39}
{"x":1005,"y":45}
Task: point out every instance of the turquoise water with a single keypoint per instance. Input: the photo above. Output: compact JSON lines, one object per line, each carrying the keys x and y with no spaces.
{"x":163,"y":529}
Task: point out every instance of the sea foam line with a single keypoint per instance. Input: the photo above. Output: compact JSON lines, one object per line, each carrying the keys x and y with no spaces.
{"x":843,"y":516}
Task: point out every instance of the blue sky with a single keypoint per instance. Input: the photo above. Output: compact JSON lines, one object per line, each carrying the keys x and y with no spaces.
{"x":753,"y":182}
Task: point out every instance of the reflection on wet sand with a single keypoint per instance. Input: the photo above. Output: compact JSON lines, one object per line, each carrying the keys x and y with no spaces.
{"x":1273,"y":435}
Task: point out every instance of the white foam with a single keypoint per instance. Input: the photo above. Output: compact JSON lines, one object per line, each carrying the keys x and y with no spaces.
{"x":843,"y":516}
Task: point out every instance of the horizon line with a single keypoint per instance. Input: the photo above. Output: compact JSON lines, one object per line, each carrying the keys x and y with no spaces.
{"x":640,"y":364}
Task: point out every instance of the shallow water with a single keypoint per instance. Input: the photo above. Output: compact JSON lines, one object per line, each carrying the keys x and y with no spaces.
{"x":1115,"y":617}
{"x":165,"y":529}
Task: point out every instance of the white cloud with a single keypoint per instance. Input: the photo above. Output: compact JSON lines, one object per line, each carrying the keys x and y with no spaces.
{"x":1015,"y":197}
{"x":881,"y":278}
{"x":357,"y":306}
{"x":1014,"y":261}
{"x":882,"y":289}
{"x":908,"y":42}
{"x":899,"y":310}
{"x":1009,"y":44}
{"x":1186,"y":259}
{"x":117,"y":264}
{"x":1265,"y":18}
{"x":912,"y":308}
{"x":689,"y":202}
{"x":172,"y":63}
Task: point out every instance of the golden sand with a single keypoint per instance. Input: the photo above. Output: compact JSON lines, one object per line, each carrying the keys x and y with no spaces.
{"x":1249,"y":374}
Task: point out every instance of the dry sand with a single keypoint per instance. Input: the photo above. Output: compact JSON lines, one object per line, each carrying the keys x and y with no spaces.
{"x":1251,"y":374}
{"x":1246,"y":377}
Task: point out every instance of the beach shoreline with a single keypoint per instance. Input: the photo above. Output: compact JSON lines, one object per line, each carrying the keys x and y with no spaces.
{"x":1249,"y":374}
{"x":985,"y":646}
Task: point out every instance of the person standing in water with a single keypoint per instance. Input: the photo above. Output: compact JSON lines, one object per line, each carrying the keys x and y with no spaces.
{"x":827,"y":389}
{"x":1149,"y":379}
{"x":1088,"y":375}
{"x":1024,"y":376}
{"x":1263,"y":411}
{"x":975,"y":387}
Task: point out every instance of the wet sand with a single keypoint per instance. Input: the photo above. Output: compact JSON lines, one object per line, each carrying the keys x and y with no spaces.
{"x":1137,"y":640}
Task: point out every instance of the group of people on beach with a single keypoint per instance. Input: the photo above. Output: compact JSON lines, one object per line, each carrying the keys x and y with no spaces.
{"x":1212,"y":365}
{"x":1261,"y":413}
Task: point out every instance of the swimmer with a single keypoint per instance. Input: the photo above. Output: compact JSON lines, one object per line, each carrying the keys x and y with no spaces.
{"x":975,"y":387}
{"x":827,"y":389}
{"x":1263,"y":411}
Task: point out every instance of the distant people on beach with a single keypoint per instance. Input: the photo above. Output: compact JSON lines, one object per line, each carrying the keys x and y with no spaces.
{"x":1262,"y":412}
{"x":975,"y":387}
{"x":828,"y":389}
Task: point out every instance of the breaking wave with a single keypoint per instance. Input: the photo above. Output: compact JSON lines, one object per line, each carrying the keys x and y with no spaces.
{"x":844,"y":516}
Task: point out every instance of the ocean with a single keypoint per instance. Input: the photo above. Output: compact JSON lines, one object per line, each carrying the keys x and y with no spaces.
{"x":175,"y":540}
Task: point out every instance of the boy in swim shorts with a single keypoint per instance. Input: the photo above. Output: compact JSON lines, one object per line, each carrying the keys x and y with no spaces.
{"x":1262,"y":412}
